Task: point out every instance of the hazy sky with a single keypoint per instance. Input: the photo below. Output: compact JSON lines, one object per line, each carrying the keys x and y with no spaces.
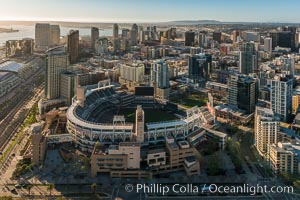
{"x":151,"y":10}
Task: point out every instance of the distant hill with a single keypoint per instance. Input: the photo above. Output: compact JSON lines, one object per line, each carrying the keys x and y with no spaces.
{"x":128,"y":25}
{"x":191,"y":22}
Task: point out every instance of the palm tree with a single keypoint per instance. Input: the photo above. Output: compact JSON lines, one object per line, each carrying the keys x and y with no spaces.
{"x":28,"y":187}
{"x":94,"y":187}
{"x":50,"y":188}
{"x":40,"y":168}
{"x":97,"y":144}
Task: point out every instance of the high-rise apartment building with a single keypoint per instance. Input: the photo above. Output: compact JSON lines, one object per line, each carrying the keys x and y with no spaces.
{"x":242,"y":92}
{"x":285,"y":158}
{"x":235,"y":35}
{"x":73,"y":45}
{"x":160,"y":79}
{"x":57,"y":62}
{"x":248,"y":58}
{"x":266,"y":128}
{"x":132,"y":74}
{"x":67,"y":86}
{"x":295,"y":103}
{"x":268,"y":44}
{"x":160,"y":74}
{"x":281,"y":96}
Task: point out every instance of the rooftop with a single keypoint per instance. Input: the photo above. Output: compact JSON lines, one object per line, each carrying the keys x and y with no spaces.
{"x":153,"y":151}
{"x":130,"y":144}
{"x":10,"y":66}
{"x":190,"y":159}
{"x":287,"y":148}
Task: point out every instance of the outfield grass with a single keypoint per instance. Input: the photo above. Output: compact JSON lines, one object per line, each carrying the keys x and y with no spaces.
{"x":150,"y":115}
{"x":192,"y":100}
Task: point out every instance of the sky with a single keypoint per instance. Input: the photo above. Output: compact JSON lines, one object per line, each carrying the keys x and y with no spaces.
{"x":151,"y":10}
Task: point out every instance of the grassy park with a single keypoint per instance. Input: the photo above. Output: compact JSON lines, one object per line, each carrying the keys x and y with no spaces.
{"x":192,"y":100}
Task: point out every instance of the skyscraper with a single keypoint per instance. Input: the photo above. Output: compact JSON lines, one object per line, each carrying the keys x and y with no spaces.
{"x":57,"y":62}
{"x":73,"y":45}
{"x":160,"y":74}
{"x":134,"y":35}
{"x":160,"y":79}
{"x":125,"y":33}
{"x":42,"y":35}
{"x":189,"y":38}
{"x":116,"y":31}
{"x":67,"y":86}
{"x":217,"y":37}
{"x":285,"y":39}
{"x":94,"y":36}
{"x":117,"y":45}
{"x":201,"y":39}
{"x":199,"y":67}
{"x":248,"y":58}
{"x":281,"y":96}
{"x":46,"y":35}
{"x":54,"y":35}
{"x":266,"y":128}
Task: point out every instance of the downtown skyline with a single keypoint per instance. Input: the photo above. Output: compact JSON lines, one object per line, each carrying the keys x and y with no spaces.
{"x":142,"y":11}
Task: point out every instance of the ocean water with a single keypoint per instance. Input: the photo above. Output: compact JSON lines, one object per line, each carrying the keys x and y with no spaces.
{"x":28,"y":32}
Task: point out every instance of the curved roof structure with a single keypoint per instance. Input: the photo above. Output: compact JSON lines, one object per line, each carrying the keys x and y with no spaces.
{"x":11,"y":66}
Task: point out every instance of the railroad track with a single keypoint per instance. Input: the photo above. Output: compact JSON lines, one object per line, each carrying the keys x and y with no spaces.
{"x":14,"y":129}
{"x":10,"y":126}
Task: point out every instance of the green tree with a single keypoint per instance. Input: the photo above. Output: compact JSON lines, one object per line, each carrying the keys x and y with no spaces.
{"x":28,"y":187}
{"x":6,"y":198}
{"x":83,"y":168}
{"x":94,"y":187}
{"x":214,"y":164}
{"x":60,"y":198}
{"x":297,"y":184}
{"x":97,"y":144}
